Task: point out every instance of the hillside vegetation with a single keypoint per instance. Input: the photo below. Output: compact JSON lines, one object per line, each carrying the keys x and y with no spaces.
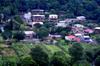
{"x":70,"y":8}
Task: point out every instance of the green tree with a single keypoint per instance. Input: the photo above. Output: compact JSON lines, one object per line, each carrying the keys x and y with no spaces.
{"x":40,"y":56}
{"x":82,"y":63}
{"x":9,"y":63}
{"x":19,"y":36}
{"x":27,"y":61}
{"x":98,"y":38}
{"x":7,"y":35}
{"x":18,"y":19}
{"x":42,"y":32}
{"x":59,"y":59}
{"x":76,"y":52}
{"x":97,"y":61}
{"x":37,"y":25}
{"x":92,"y":55}
{"x":9,"y":25}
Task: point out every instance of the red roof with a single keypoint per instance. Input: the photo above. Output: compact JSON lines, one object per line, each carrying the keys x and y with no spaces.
{"x":71,"y":36}
{"x":74,"y":38}
{"x":89,"y":30}
{"x":77,"y":39}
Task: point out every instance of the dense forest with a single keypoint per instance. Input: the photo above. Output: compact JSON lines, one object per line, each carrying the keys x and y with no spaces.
{"x":72,"y":8}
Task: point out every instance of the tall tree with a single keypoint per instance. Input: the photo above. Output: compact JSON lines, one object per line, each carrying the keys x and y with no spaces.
{"x":42,"y":32}
{"x":59,"y":59}
{"x":40,"y":56}
{"x":76,"y":52}
{"x":19,"y":35}
{"x":27,"y":61}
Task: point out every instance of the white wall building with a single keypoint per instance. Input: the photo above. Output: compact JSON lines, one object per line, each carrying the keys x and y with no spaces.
{"x":81,"y":18}
{"x":28,"y":15}
{"x":53,"y":16}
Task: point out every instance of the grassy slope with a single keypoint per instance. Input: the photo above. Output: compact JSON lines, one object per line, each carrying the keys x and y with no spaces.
{"x":20,"y":49}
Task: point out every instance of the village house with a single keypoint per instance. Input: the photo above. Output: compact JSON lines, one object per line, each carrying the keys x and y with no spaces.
{"x":33,"y":23}
{"x":79,"y":25}
{"x":53,"y":17}
{"x":81,"y":18}
{"x":77,"y":19}
{"x":61,"y":24}
{"x":72,"y":38}
{"x":34,"y":17}
{"x":87,"y":39}
{"x":97,"y":30}
{"x":27,"y":17}
{"x":29,"y":34}
{"x":78,"y":35}
{"x":77,"y":30}
{"x":88,"y":31}
{"x":38,"y":18}
{"x":38,"y":11}
{"x":79,"y":38}
{"x":71,"y":20}
{"x":55,"y":36}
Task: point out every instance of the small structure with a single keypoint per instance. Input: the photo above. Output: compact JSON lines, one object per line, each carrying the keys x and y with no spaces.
{"x":53,"y":17}
{"x":81,"y":18}
{"x":97,"y":30}
{"x":38,"y":18}
{"x":76,"y":29}
{"x":72,"y":38}
{"x":33,"y":23}
{"x":71,"y":20}
{"x":29,"y":34}
{"x":88,"y":30}
{"x":79,"y":26}
{"x":38,"y":11}
{"x":61,"y":24}
{"x":87,"y":39}
{"x":27,"y":16}
{"x":55,"y":36}
{"x":78,"y":35}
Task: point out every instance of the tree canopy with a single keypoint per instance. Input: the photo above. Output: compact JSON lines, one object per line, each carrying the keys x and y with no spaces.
{"x":71,"y":8}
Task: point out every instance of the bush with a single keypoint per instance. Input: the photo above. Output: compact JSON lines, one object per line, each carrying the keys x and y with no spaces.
{"x":19,"y":36}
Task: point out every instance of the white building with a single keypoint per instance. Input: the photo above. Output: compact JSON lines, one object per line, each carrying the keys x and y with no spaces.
{"x":87,"y":39}
{"x":28,"y":16}
{"x":29,"y":34}
{"x":78,"y":35}
{"x":56,"y":36}
{"x":81,"y":18}
{"x":97,"y":28}
{"x":53,"y":16}
{"x":79,"y":26}
{"x":61,"y":24}
{"x":38,"y":18}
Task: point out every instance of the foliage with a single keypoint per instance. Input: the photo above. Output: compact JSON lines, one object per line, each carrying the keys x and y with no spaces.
{"x":9,"y":25}
{"x":19,"y":36}
{"x":59,"y":59}
{"x":37,"y":25}
{"x":40,"y":56}
{"x":82,"y":63}
{"x":97,"y":61}
{"x":76,"y":52}
{"x":42,"y":32}
{"x":7,"y":35}
{"x":18,"y":19}
{"x":71,"y":8}
{"x":27,"y":61}
{"x":51,"y":54}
